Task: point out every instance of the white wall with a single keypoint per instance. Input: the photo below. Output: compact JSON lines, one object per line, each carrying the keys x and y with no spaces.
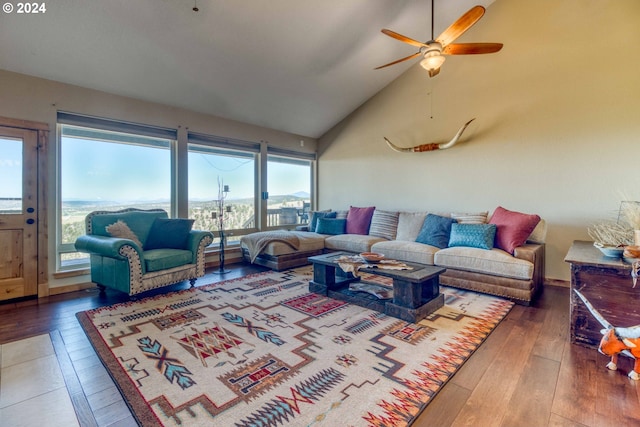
{"x":557,"y":126}
{"x":35,"y":99}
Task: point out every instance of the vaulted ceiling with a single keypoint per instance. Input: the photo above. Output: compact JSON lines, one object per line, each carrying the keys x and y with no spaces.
{"x":298,"y":66}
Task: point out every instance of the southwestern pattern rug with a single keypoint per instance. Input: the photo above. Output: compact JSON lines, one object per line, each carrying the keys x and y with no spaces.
{"x":263,"y":351}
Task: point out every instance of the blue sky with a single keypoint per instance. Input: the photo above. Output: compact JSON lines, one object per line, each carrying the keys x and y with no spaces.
{"x":10,"y":168}
{"x":93,"y":170}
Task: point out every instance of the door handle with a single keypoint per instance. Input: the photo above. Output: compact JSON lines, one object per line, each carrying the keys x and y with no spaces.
{"x":31,"y":221}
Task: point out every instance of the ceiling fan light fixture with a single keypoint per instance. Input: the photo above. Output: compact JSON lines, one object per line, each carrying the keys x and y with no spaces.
{"x":432,"y":61}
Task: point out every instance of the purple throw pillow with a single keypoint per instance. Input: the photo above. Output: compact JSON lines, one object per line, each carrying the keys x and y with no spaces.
{"x":359,"y":220}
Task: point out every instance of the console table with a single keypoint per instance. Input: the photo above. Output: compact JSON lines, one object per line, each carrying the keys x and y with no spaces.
{"x":606,"y":282}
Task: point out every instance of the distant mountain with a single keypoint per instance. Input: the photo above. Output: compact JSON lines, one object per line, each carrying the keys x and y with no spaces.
{"x":302,"y":194}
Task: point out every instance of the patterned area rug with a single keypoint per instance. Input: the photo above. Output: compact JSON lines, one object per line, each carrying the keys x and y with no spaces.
{"x":263,"y":351}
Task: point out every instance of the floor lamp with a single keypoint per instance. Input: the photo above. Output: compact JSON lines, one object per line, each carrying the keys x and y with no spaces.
{"x":220,"y":214}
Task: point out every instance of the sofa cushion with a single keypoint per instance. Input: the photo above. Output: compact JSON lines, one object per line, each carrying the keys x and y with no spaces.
{"x":470,"y":218}
{"x":384,"y":224}
{"x":409,"y":225}
{"x":435,"y":231}
{"x":473,"y":235}
{"x":168,"y":233}
{"x":406,"y":251}
{"x":351,"y":242}
{"x":162,"y":259}
{"x":359,"y":220}
{"x":331,"y":226}
{"x":319,"y":214}
{"x":513,"y":228}
{"x":494,"y":262}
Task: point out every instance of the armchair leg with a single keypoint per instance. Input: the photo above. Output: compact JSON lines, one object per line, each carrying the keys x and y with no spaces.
{"x":193,"y":282}
{"x":101,"y":288}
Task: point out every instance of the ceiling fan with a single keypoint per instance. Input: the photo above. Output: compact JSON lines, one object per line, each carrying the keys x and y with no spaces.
{"x":434,"y":50}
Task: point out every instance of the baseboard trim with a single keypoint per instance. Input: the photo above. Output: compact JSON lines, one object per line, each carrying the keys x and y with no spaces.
{"x":557,"y":282}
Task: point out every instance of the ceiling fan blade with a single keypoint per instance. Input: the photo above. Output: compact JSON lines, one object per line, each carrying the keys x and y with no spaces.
{"x":399,"y":60}
{"x":463,"y":23}
{"x":471,"y":48}
{"x":402,"y":38}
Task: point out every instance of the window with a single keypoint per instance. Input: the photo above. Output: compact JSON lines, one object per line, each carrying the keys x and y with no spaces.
{"x":103,"y":167}
{"x":10,"y":176}
{"x":289,"y":184}
{"x":236,"y":170}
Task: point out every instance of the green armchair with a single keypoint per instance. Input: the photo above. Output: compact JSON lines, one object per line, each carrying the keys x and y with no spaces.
{"x":134,"y":250}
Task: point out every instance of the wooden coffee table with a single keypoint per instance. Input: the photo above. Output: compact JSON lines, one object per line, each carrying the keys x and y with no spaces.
{"x":416,"y":292}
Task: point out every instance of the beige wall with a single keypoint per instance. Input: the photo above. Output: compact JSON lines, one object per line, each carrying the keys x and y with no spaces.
{"x":29,"y":98}
{"x":557,"y":127}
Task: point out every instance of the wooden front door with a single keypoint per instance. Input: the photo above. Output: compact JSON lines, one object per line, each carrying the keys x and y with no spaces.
{"x":18,"y":213}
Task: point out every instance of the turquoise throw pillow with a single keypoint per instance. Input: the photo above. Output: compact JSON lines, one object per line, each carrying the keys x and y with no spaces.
{"x":473,"y":235}
{"x":319,"y":214}
{"x":331,"y":226}
{"x":435,"y":231}
{"x":168,"y":233}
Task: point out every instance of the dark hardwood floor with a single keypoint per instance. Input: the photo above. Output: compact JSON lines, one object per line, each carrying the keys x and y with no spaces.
{"x":527,"y":373}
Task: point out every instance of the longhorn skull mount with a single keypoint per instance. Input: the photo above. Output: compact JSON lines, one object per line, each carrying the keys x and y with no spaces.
{"x":431,"y":146}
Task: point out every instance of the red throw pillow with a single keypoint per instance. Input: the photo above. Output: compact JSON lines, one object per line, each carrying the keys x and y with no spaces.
{"x":512,"y":228}
{"x":359,"y":220}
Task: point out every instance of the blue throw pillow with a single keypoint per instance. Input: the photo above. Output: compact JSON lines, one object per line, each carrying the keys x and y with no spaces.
{"x":473,"y":235}
{"x":168,"y":233}
{"x":314,"y":218}
{"x":435,"y":231}
{"x":331,"y":226}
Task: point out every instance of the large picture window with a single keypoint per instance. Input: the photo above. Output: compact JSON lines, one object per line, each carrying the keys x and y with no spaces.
{"x":289,"y":183}
{"x":108,"y":165}
{"x":103,"y":169}
{"x":235,"y":169}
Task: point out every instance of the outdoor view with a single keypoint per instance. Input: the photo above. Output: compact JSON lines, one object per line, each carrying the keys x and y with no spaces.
{"x":99,"y":173}
{"x":10,"y":175}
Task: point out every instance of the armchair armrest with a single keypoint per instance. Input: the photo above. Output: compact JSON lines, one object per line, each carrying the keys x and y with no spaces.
{"x":196,"y":238}
{"x":105,"y":246}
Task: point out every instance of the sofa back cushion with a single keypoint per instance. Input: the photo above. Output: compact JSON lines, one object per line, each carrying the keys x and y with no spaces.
{"x":359,"y":220}
{"x":409,"y":225}
{"x":435,"y":231}
{"x":470,"y":218}
{"x":384,"y":224}
{"x":139,"y":221}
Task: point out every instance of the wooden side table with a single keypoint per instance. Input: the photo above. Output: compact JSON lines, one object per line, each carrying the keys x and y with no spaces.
{"x":607,"y":284}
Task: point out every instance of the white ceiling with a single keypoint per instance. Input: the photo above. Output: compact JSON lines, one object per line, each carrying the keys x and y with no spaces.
{"x":298,"y":66}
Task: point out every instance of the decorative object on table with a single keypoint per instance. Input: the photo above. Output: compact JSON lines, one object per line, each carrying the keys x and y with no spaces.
{"x":432,"y":146}
{"x":220,"y":215}
{"x":433,"y":51}
{"x":353,"y":263}
{"x":610,"y":251}
{"x":372,"y":257}
{"x":630,"y":212}
{"x":263,"y":351}
{"x":378,"y":291}
{"x":617,"y":340}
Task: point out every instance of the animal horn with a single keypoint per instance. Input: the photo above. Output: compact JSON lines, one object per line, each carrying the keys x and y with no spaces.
{"x":593,"y":311}
{"x":432,"y":146}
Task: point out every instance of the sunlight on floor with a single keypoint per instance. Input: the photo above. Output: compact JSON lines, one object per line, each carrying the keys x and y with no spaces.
{"x":32,"y":388}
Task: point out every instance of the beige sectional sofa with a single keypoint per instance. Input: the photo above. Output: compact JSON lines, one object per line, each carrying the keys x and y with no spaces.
{"x":517,"y":276}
